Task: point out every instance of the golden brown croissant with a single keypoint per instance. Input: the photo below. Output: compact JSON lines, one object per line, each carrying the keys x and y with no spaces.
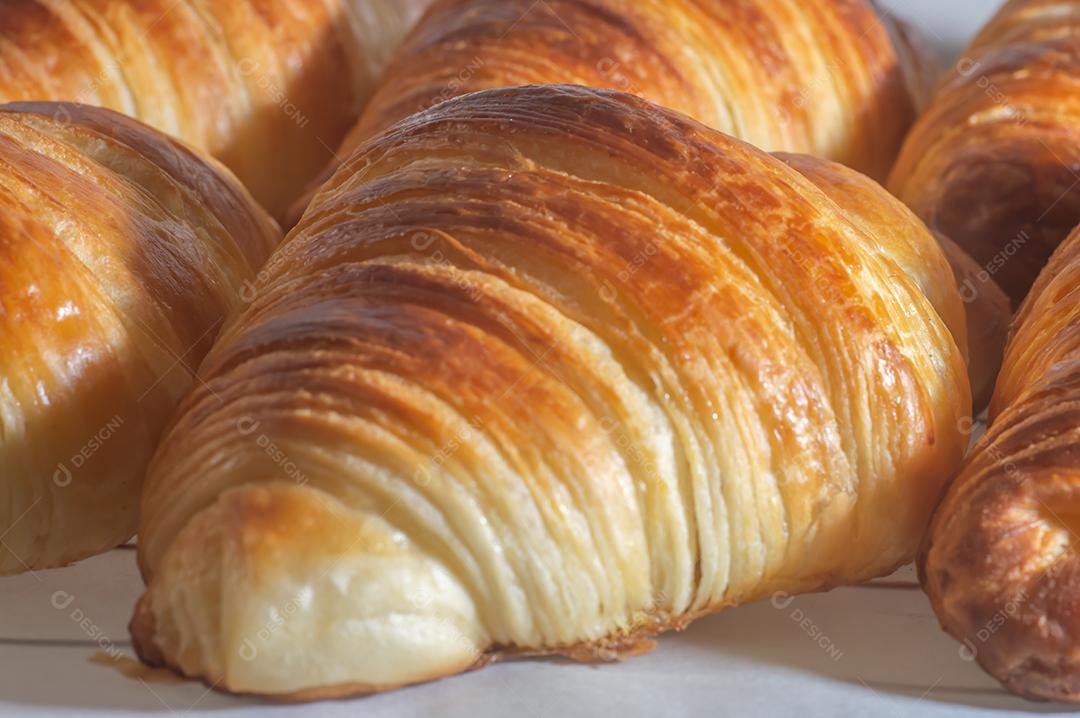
{"x":1000,"y":561}
{"x":993,"y":163}
{"x":832,"y":78}
{"x":267,"y":86}
{"x":548,"y":370}
{"x":120,"y":252}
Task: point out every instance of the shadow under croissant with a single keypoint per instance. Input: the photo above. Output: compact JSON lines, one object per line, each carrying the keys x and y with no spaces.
{"x":836,"y":636}
{"x":839,"y":636}
{"x":826,"y":644}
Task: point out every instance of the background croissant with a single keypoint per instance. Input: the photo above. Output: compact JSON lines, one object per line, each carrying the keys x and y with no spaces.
{"x":549,"y":370}
{"x":1000,"y":561}
{"x":267,"y":86}
{"x":120,"y":253}
{"x":993,"y":163}
{"x":833,"y":78}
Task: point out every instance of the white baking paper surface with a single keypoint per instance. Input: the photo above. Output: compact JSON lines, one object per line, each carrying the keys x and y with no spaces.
{"x":874,"y":650}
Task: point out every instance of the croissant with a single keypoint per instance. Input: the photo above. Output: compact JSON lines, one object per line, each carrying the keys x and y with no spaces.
{"x":120,"y":253}
{"x":834,"y":78}
{"x":993,"y":162}
{"x":269,"y":86}
{"x":548,"y":370}
{"x":999,"y":562}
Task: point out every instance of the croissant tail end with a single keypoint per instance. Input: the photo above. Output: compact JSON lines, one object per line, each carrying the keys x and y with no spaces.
{"x":1003,"y":575}
{"x":283,"y":591}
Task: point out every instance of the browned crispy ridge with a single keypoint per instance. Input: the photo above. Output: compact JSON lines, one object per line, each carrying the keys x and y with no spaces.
{"x":1000,"y":561}
{"x":267,"y":86}
{"x":986,"y":311}
{"x":994,"y":163}
{"x":831,"y":78}
{"x":549,"y":370}
{"x":121,"y":252}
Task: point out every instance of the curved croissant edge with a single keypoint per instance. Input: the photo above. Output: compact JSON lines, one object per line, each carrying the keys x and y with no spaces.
{"x":277,"y":513}
{"x":203,"y":560}
{"x":263,"y":85}
{"x":981,"y":335}
{"x":120,"y":249}
{"x":252,"y":228}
